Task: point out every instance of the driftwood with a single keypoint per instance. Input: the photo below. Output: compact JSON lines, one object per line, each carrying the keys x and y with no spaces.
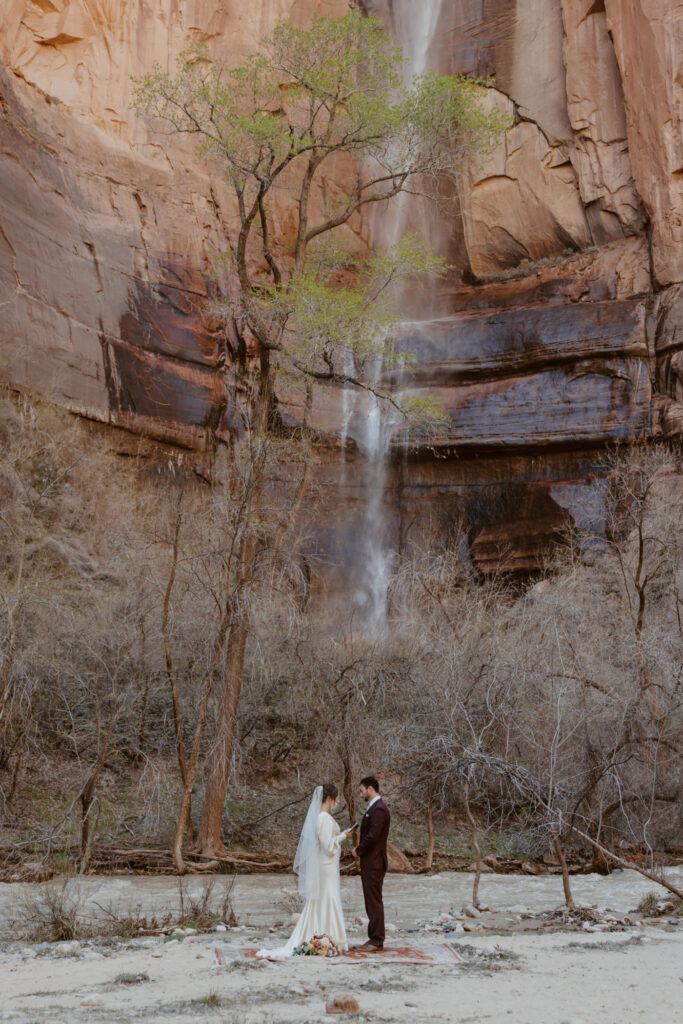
{"x":265,"y":864}
{"x":151,"y":859}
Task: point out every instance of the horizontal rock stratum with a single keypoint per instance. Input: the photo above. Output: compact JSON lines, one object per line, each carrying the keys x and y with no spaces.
{"x":559,"y":332}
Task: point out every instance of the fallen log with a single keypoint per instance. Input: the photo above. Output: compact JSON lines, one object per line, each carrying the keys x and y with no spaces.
{"x":283,"y":865}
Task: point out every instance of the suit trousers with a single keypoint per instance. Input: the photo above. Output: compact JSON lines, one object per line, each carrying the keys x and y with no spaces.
{"x":372,"y":880}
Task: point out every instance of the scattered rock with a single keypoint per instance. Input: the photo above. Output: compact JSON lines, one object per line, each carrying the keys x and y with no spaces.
{"x":68,"y":948}
{"x":471,"y":912}
{"x":343,"y":1003}
{"x":491,"y":860}
{"x":529,"y":868}
{"x":485,"y":868}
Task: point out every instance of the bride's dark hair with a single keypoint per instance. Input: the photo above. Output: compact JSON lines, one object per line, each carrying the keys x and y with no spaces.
{"x":330,"y":790}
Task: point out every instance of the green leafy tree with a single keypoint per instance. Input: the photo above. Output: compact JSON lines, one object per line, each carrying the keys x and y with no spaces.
{"x":281,"y":124}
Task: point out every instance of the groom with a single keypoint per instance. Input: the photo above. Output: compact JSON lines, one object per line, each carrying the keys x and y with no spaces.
{"x":372,"y":850}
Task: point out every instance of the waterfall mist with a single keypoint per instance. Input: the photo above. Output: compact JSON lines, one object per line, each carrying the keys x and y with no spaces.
{"x":372,"y":422}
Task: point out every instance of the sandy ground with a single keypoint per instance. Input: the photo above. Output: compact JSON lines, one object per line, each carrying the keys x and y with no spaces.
{"x":634,"y":975}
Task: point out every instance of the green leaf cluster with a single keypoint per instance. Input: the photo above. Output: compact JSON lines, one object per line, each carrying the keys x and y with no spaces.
{"x":274,"y":124}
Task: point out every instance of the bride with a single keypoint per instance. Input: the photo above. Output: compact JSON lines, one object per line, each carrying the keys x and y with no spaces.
{"x":317,"y":865}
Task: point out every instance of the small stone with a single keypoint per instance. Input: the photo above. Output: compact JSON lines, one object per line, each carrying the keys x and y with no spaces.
{"x":68,"y":948}
{"x":90,"y":954}
{"x":343,"y":1003}
{"x":220,"y":928}
{"x":190,"y":931}
{"x":391,"y":928}
{"x":93,"y":1002}
{"x":472,"y":912}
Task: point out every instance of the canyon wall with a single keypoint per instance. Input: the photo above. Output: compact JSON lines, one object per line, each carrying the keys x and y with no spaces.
{"x":559,"y":332}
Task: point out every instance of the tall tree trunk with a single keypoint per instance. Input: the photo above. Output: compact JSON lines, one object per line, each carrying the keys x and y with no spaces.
{"x":348,"y":785}
{"x":568,"y":898}
{"x":209,"y":842}
{"x":191,"y":773}
{"x":430,"y":835}
{"x":477,"y":850}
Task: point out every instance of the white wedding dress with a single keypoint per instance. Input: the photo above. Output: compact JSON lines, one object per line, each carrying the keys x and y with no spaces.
{"x":322,"y":913}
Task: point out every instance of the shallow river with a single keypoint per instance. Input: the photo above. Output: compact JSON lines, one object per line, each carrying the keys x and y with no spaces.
{"x":263,"y":899}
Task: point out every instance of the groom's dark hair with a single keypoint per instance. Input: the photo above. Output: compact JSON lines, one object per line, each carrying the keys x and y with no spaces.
{"x":370,"y":780}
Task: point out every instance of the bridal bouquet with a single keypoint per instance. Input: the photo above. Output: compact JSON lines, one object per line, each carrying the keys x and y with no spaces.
{"x":319,"y":945}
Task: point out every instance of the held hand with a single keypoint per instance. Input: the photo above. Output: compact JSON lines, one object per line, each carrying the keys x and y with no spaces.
{"x":354,"y":851}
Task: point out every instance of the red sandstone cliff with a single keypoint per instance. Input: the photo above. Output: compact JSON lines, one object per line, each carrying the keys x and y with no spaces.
{"x":570,"y":336}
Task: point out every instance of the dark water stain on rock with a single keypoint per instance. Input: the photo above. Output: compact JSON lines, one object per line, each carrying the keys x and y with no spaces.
{"x":166,"y":366}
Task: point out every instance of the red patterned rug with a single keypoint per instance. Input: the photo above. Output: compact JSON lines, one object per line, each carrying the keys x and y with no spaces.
{"x":389,"y":955}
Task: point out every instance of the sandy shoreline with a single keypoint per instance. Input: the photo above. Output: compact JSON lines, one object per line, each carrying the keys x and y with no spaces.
{"x":546,"y":977}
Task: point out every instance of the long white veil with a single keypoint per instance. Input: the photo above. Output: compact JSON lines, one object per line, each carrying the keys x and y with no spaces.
{"x":306,"y":859}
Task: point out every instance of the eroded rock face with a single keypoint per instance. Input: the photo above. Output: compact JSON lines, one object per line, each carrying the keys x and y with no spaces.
{"x":107,"y":231}
{"x":569,"y":338}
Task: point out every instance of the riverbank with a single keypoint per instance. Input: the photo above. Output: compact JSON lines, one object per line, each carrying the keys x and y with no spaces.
{"x":518,"y":962}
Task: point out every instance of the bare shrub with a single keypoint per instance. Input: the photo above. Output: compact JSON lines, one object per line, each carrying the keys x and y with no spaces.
{"x":51,"y":913}
{"x":207,"y":905}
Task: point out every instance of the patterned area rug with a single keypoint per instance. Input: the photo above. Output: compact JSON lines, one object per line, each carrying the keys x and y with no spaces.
{"x":389,"y":955}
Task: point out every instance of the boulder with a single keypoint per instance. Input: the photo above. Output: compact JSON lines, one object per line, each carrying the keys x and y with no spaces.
{"x":398,"y":862}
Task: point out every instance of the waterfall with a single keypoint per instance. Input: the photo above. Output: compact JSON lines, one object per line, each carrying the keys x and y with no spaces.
{"x":374,"y":424}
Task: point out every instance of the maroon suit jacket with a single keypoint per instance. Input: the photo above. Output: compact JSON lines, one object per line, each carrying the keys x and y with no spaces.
{"x":374,"y":831}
